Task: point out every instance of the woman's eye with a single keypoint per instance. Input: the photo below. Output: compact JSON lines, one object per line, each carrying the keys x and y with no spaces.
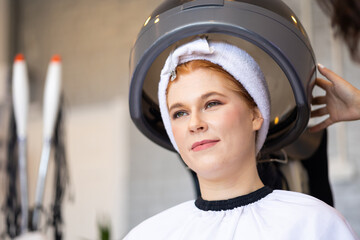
{"x":179,"y":114}
{"x":212,"y":104}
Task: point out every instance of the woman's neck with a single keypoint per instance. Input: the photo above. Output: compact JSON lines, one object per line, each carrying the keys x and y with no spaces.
{"x":244,"y":182}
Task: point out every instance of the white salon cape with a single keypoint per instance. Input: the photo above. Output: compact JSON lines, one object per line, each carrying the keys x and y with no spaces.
{"x":263,"y":214}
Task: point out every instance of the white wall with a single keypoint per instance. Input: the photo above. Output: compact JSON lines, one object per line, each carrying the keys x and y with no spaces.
{"x":4,"y":68}
{"x":4,"y":47}
{"x":97,"y":150}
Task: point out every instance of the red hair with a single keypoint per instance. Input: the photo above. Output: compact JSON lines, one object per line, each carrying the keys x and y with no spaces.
{"x":230,"y":82}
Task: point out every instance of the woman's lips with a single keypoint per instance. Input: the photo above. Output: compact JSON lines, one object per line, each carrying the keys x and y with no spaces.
{"x":202,"y":145}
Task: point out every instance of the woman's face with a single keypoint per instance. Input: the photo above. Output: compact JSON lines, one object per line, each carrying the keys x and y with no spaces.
{"x":213,"y":126}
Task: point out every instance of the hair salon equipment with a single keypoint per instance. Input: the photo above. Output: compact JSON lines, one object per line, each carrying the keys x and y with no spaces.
{"x":53,"y":140}
{"x":51,"y":110}
{"x":12,"y":208}
{"x":21,"y":104}
{"x":268,"y":30}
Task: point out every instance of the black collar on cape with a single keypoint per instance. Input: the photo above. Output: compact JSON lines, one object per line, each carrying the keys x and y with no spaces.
{"x":232,"y":203}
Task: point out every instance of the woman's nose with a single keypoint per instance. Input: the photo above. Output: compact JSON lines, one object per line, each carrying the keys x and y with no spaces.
{"x":197,"y":124}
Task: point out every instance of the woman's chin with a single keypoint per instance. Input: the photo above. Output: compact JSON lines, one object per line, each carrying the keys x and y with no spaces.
{"x":208,"y":166}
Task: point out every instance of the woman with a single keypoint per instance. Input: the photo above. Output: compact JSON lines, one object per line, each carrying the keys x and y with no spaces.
{"x":215,"y":107}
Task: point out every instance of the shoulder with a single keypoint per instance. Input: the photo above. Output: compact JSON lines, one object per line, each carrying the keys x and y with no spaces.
{"x":310,"y":213}
{"x":163,"y":222}
{"x":302,"y":203}
{"x":296,"y":198}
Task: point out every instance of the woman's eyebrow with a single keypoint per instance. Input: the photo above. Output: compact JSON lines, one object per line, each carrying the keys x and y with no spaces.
{"x":209,"y":94}
{"x":176,"y":105}
{"x":203,"y":97}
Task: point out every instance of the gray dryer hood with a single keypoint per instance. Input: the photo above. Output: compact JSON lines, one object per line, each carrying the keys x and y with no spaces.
{"x":267,"y":29}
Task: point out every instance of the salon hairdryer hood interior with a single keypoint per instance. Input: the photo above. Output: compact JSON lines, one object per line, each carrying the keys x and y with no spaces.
{"x":267,"y":30}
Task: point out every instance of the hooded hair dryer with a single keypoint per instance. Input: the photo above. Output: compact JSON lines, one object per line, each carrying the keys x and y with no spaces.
{"x":268,"y":30}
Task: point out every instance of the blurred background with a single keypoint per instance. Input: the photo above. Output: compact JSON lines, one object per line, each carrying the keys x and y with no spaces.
{"x":118,"y":178}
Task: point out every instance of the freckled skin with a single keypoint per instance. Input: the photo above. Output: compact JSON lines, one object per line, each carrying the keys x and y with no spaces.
{"x":222,"y":116}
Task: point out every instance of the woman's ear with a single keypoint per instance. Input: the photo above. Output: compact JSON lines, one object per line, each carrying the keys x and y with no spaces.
{"x":257,"y":119}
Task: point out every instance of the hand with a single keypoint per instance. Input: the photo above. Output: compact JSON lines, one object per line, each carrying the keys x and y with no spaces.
{"x":342,"y":100}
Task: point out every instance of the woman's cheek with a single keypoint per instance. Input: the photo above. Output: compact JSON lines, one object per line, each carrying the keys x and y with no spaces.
{"x":178,"y":132}
{"x":228,"y":118}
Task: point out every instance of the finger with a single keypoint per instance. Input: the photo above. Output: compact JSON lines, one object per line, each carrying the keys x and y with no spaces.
{"x":321,"y":126}
{"x":324,"y":84}
{"x":330,"y":75}
{"x":319,"y":100}
{"x":319,"y":112}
